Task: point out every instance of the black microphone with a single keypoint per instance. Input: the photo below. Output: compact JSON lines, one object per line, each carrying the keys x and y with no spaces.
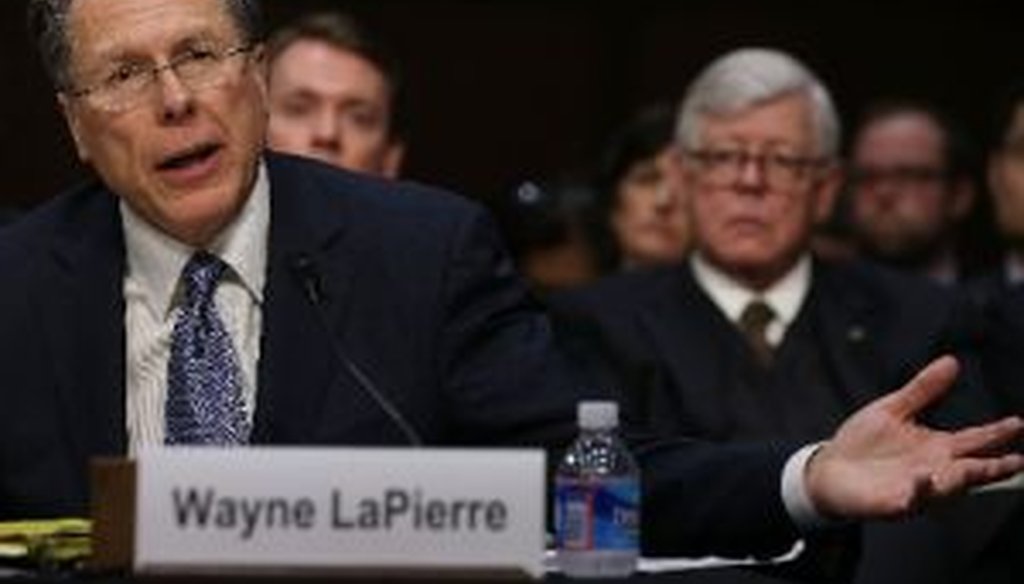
{"x":308,"y":276}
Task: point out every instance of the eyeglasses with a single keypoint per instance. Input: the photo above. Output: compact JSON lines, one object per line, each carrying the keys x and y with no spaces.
{"x":126,"y":85}
{"x":900,"y":176}
{"x":724,"y":167}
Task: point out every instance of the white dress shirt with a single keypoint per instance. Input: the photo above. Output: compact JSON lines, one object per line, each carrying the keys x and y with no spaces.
{"x":153,"y":296}
{"x":1013,"y":268}
{"x":785,"y":297}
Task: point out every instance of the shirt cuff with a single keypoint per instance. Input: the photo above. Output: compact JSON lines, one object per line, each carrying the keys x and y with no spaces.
{"x":794,"y":491}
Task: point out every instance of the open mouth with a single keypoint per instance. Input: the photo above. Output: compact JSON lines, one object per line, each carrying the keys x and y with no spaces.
{"x":189,"y":158}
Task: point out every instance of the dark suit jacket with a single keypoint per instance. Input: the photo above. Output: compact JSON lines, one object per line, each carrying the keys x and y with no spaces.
{"x":1001,"y":559}
{"x":1003,"y":305}
{"x":659,"y":339}
{"x":419,"y":293}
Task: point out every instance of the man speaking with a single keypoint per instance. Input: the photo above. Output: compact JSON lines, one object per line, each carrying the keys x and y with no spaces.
{"x":204,"y":290}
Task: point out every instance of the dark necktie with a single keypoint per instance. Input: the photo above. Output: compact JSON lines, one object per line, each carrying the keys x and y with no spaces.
{"x":754,"y":323}
{"x":204,"y":379}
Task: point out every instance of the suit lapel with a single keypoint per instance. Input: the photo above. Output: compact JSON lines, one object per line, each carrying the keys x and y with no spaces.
{"x":85,"y":326}
{"x":688,"y":331}
{"x":847,"y":320}
{"x":84,"y":272}
{"x":685,"y":329}
{"x":306,"y":256}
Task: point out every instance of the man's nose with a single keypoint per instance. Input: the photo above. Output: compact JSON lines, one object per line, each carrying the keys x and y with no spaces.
{"x":326,"y":131}
{"x":753,"y":173}
{"x":177,"y":101}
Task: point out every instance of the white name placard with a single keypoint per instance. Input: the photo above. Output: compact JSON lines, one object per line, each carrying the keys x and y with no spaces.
{"x":323,"y":509}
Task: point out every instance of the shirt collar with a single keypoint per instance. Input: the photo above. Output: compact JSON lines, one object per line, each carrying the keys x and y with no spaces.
{"x":785,"y":297}
{"x":155,"y":259}
{"x":1014,"y":268}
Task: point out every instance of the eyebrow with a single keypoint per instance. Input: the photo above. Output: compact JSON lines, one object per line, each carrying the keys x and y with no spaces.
{"x":769,"y":147}
{"x":118,"y":54}
{"x":300,"y":93}
{"x":305,"y":92}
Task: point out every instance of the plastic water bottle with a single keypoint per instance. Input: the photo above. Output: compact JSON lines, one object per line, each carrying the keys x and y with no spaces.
{"x":597,"y":499}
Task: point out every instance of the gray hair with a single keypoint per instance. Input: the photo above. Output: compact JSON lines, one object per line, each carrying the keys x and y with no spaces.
{"x":48,"y":26}
{"x":748,"y":77}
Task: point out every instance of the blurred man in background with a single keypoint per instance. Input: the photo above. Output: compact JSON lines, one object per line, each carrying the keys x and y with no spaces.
{"x":1006,"y":180}
{"x":334,"y":95}
{"x":911,"y":188}
{"x":995,"y":291}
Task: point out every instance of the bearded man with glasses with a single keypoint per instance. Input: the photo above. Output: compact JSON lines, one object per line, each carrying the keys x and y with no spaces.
{"x":752,"y":337}
{"x":911,"y":191}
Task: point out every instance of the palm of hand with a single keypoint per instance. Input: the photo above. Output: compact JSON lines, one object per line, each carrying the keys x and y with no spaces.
{"x":882,"y":463}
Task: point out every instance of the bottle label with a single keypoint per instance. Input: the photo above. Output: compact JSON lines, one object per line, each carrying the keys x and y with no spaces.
{"x":601,"y":514}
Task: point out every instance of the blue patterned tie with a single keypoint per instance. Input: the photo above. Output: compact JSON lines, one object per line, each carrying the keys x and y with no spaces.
{"x":204,"y":380}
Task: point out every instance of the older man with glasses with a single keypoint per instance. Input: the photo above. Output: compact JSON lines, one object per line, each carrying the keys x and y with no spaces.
{"x":752,"y":337}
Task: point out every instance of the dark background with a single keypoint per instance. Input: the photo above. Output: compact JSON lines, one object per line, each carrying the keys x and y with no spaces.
{"x":505,"y":90}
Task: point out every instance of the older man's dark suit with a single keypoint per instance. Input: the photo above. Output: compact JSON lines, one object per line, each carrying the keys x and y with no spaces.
{"x":417,"y":290}
{"x":658,"y":338}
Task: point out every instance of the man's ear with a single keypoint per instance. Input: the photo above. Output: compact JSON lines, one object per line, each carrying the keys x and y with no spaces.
{"x":67,"y":109}
{"x":828,"y":192}
{"x":393,"y":159}
{"x":261,"y":72}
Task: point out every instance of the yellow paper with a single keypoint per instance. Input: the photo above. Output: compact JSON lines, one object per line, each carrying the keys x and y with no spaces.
{"x":45,"y":541}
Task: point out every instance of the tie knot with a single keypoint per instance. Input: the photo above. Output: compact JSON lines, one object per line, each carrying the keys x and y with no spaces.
{"x":201,"y":274}
{"x":756,"y":316}
{"x":754,"y":323}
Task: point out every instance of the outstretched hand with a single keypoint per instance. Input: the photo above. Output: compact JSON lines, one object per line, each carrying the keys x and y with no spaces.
{"x":882,"y":463}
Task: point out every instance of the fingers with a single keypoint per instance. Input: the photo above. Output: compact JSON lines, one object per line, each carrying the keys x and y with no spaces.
{"x":981,"y":438}
{"x":967,"y":473}
{"x":930,"y":383}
